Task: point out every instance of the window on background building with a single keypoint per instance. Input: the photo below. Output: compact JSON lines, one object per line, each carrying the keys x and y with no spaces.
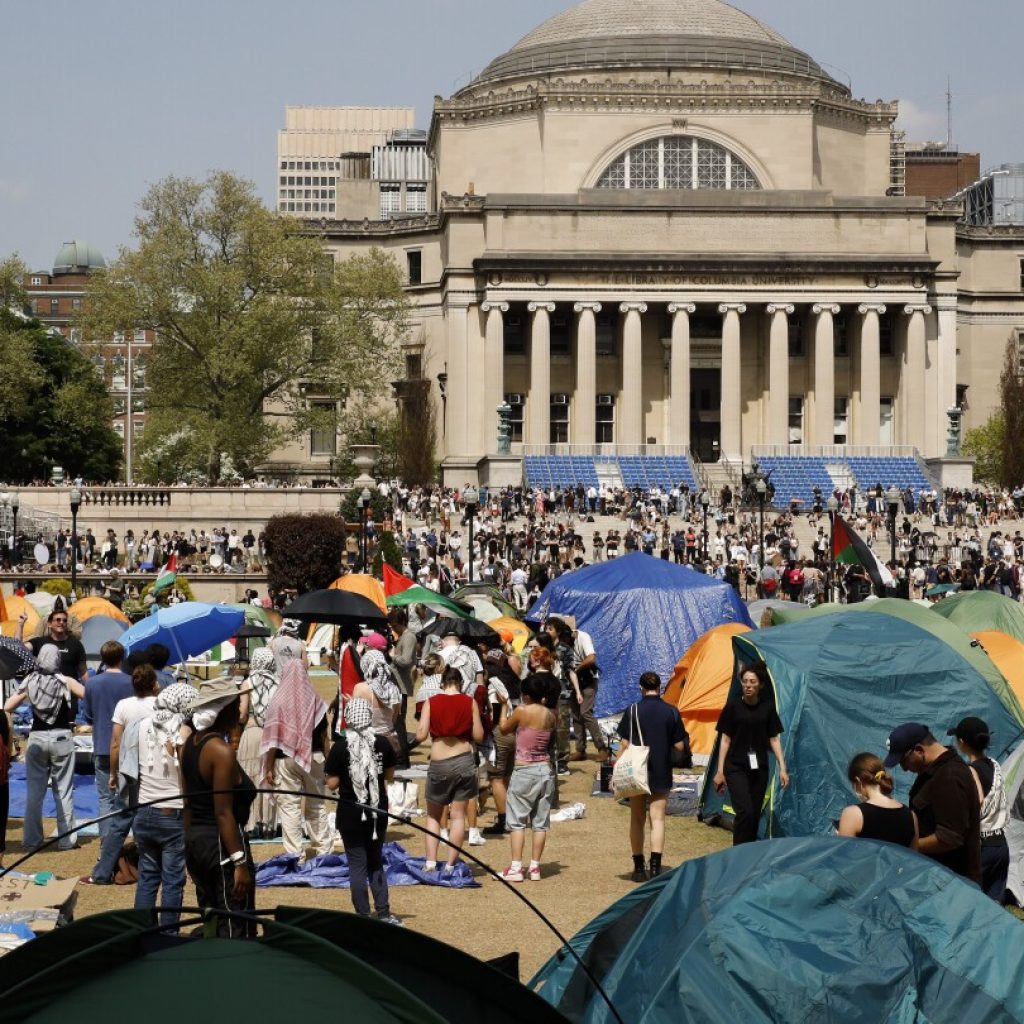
{"x":796,"y":419}
{"x":119,"y":428}
{"x":840,"y":345}
{"x":35,"y":307}
{"x":796,"y":338}
{"x":390,"y":200}
{"x":139,"y":427}
{"x":514,"y":330}
{"x":138,"y":404}
{"x":323,"y":438}
{"x":76,"y":304}
{"x":841,"y":424}
{"x":118,"y":378}
{"x":561,"y":334}
{"x":76,"y":336}
{"x":605,"y":324}
{"x":604,"y":420}
{"x":140,"y":336}
{"x":1022,"y":275}
{"x":416,"y":198}
{"x":414,"y":263}
{"x":559,"y":419}
{"x":54,"y":306}
{"x":678,"y":162}
{"x":119,"y":406}
{"x":413,"y":366}
{"x":37,"y":280}
{"x":516,"y":402}
{"x":1020,"y":353}
{"x":886,"y":346}
{"x":885,"y":420}
{"x":139,"y":372}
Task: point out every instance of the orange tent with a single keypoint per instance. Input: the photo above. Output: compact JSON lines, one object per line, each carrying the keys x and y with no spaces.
{"x":15,"y":606}
{"x":520,"y":631}
{"x":700,"y":684}
{"x":361,"y":583}
{"x":87,"y":607}
{"x":1008,"y":654}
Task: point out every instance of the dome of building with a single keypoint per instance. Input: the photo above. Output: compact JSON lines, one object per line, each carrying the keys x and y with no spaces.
{"x":657,"y":34}
{"x":77,"y":258}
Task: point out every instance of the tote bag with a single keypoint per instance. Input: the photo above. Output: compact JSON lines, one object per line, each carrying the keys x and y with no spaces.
{"x":629,"y":778}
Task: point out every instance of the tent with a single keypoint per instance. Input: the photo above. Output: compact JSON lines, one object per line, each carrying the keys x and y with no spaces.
{"x":950,"y":634}
{"x":304,"y":963}
{"x":700,"y":684}
{"x":97,"y":631}
{"x":1007,"y":653}
{"x":15,"y":606}
{"x":362,"y":583}
{"x":817,"y":930}
{"x":643,"y":613}
{"x":520,"y":631}
{"x":974,"y":610}
{"x":85,"y":608}
{"x":472,"y":593}
{"x":841,"y":683}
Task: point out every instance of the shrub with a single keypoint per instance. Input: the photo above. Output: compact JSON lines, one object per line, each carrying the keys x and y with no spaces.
{"x":304,"y":552}
{"x":387,"y":547}
{"x":180,"y":584}
{"x":61,"y":588}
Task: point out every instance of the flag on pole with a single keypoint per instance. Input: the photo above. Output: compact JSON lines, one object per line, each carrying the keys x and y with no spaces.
{"x":849,"y":549}
{"x":168,"y":574}
{"x":395,"y":582}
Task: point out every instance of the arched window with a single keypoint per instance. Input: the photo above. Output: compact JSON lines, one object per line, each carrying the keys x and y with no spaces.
{"x":678,"y":161}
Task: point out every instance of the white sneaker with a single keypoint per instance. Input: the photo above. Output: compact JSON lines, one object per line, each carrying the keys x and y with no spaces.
{"x":475,"y":838}
{"x":444,"y":833}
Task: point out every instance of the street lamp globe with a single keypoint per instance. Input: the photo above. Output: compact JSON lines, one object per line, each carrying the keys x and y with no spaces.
{"x":833,"y":505}
{"x":471,"y":496}
{"x":365,"y":496}
{"x":892,"y":497}
{"x":705,"y":500}
{"x":15,"y":502}
{"x":761,"y":486}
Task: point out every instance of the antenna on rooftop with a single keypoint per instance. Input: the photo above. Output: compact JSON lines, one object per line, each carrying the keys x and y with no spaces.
{"x":949,"y":115}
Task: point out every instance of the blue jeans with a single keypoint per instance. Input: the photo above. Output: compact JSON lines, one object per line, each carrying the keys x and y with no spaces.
{"x":160,"y":836}
{"x":105,"y":796}
{"x":118,"y":828}
{"x":49,"y":760}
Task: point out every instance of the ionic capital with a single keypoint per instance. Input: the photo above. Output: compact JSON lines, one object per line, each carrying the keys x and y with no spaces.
{"x":497,"y":307}
{"x":922,"y":308}
{"x":825,"y":307}
{"x":682,"y":307}
{"x":868,"y":307}
{"x":587,"y":307}
{"x":780,"y":307}
{"x":633,"y":307}
{"x":546,"y":307}
{"x":732,"y":307}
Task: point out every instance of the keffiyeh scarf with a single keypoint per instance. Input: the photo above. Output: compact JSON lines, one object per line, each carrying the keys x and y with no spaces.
{"x":377,"y":673}
{"x":262,"y":683}
{"x":169,"y":711}
{"x":294,"y":711}
{"x":362,"y":757}
{"x":45,"y":687}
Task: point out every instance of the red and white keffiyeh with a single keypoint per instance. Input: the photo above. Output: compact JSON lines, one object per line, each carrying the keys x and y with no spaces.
{"x":294,"y":711}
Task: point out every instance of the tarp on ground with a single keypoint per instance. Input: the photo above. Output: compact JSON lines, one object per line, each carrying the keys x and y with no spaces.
{"x":700,"y":684}
{"x":974,"y":610}
{"x":643,"y":613}
{"x":841,"y":684}
{"x":829,"y":931}
{"x":923,"y":617}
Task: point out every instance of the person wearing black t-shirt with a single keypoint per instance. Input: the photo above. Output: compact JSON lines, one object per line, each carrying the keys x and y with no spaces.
{"x":748,"y":727}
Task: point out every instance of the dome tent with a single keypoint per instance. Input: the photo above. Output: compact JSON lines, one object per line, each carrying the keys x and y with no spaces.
{"x":825,"y":930}
{"x":643,"y":613}
{"x":841,"y":683}
{"x":975,"y":610}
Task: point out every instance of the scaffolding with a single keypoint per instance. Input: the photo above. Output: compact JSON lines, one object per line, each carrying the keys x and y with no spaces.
{"x":897,"y":163}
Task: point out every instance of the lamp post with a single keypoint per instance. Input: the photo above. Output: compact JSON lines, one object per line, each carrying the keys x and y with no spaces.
{"x":76,"y":504}
{"x":705,"y":500}
{"x":892,"y":497}
{"x":364,"y":507}
{"x":833,"y":507}
{"x":471,"y":496}
{"x":15,"y":505}
{"x":761,"y":486}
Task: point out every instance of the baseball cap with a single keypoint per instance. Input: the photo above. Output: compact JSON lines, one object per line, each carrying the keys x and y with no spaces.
{"x":375,"y":641}
{"x":902,"y":740}
{"x":973,"y":731}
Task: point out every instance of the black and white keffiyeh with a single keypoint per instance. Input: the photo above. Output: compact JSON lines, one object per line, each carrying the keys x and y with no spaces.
{"x":362,"y":758}
{"x":262,"y":683}
{"x":47,"y":689}
{"x":161,"y":728}
{"x":377,"y":672}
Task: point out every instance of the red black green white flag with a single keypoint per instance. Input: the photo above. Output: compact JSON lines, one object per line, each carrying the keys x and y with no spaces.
{"x":849,"y":549}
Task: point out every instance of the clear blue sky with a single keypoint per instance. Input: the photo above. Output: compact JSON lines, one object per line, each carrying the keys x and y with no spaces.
{"x":104,"y":98}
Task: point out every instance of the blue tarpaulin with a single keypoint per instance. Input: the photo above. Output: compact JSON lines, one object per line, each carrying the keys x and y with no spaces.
{"x":86,"y":798}
{"x":330,"y":871}
{"x":643,"y":614}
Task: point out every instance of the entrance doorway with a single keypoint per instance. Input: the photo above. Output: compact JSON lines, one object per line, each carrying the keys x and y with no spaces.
{"x":706,"y":414}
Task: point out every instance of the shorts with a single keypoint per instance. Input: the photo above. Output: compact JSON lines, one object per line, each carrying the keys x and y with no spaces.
{"x":504,"y":755}
{"x":530,"y":795}
{"x":452,"y":779}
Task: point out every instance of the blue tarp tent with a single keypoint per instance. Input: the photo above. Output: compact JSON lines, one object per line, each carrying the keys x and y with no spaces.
{"x":825,"y":930}
{"x":643,"y":614}
{"x":841,"y":683}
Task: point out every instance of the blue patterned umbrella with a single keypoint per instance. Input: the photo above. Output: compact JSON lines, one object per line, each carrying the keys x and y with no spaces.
{"x":186,"y":629}
{"x":15,"y":658}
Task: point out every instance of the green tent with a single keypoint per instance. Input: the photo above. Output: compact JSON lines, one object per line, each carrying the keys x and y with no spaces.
{"x":813,"y":930}
{"x":948,"y":632}
{"x":306,"y":964}
{"x":487,"y":592}
{"x":977,"y":610}
{"x":841,"y":683}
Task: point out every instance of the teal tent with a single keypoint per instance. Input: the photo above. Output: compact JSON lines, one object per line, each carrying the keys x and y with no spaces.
{"x":841,"y":683}
{"x":814,"y":930}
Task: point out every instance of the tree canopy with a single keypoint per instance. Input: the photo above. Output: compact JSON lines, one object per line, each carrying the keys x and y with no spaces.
{"x":251,"y":314}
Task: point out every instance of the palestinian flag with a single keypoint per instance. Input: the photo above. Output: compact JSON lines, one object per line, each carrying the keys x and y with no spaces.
{"x":395,"y":582}
{"x":168,"y":574}
{"x":849,"y":549}
{"x":401,"y":592}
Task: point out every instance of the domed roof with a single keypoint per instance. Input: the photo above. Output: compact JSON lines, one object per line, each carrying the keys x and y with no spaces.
{"x":650,"y":33}
{"x":77,"y":258}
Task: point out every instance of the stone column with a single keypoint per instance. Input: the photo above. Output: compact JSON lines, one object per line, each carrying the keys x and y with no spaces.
{"x":494,"y":369}
{"x":913,"y":386}
{"x":540,"y":373}
{"x":869,"y":420}
{"x":824,"y":374}
{"x":778,"y":373}
{"x":947,"y":365}
{"x":731,"y":432}
{"x":679,"y":374}
{"x":632,"y":415}
{"x":584,"y":403}
{"x":457,"y":369}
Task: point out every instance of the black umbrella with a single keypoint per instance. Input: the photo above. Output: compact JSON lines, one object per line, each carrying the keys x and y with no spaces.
{"x":464,"y":629}
{"x":338,"y":607}
{"x":15,"y":658}
{"x":252,"y":629}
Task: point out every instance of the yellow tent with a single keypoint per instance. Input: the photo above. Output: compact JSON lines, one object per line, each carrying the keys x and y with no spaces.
{"x":15,"y":606}
{"x":700,"y":684}
{"x":519,"y":630}
{"x":1008,"y":654}
{"x":87,"y":607}
{"x":361,"y":583}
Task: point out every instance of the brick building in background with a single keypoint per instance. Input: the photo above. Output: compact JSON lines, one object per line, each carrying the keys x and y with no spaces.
{"x":937,"y":171}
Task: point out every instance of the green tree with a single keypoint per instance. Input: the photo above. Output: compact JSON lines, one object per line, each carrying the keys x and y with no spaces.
{"x":54,"y":407}
{"x":1011,"y":393}
{"x":12,"y":283}
{"x":304,"y":552}
{"x":985,"y":445}
{"x":250,"y":313}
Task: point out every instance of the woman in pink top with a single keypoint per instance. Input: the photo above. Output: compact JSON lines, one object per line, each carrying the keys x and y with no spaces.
{"x":532,"y":787}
